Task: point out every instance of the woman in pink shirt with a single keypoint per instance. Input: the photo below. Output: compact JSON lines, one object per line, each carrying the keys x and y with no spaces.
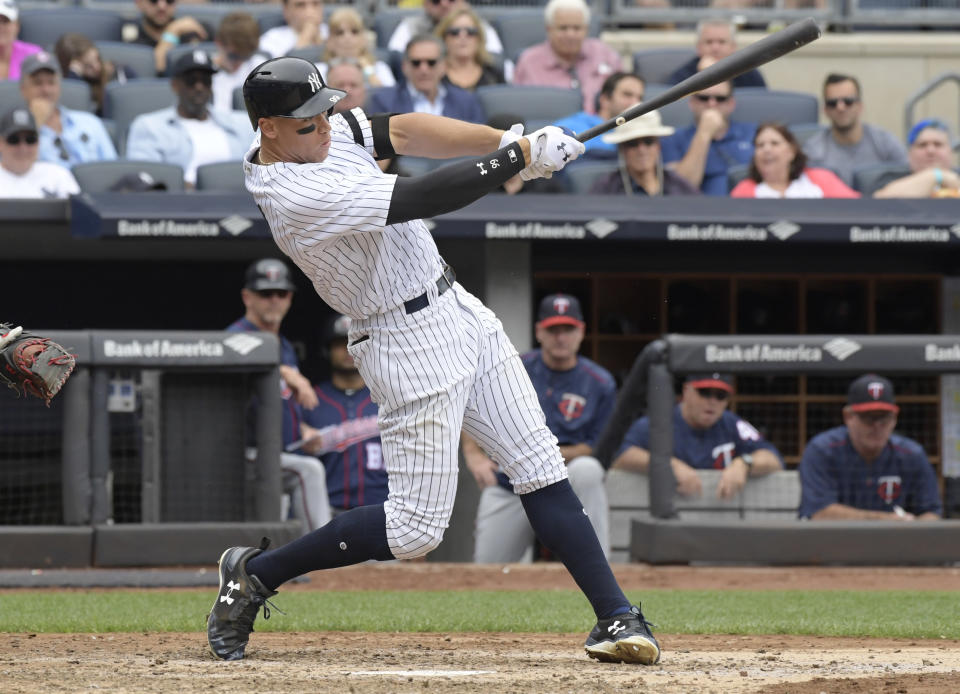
{"x":779,"y":170}
{"x":12,"y":52}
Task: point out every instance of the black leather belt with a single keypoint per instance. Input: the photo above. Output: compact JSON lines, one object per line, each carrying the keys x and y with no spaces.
{"x":444,"y":282}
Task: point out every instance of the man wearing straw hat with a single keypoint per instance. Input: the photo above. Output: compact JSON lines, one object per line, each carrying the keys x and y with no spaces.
{"x":641,"y":170}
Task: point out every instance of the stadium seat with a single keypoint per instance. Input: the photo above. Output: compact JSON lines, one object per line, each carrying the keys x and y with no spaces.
{"x":312,"y":53}
{"x":804,"y":131}
{"x":757,"y":105}
{"x":135,"y":56}
{"x":221,"y":176}
{"x":124,"y":102}
{"x":238,"y":104}
{"x":735,"y":174}
{"x":870,"y":179}
{"x":44,"y":27}
{"x":386,"y":20}
{"x":655,"y":65}
{"x":522,"y":27}
{"x":676,"y":113}
{"x":74,"y":94}
{"x":98,"y":176}
{"x":208,"y":47}
{"x":532,"y":104}
{"x":582,"y":175}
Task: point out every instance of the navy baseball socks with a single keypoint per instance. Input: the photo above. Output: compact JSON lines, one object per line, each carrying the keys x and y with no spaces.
{"x":248,"y":576}
{"x":621,"y":635}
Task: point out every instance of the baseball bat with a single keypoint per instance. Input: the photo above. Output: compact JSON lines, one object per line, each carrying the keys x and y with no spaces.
{"x":757,"y":54}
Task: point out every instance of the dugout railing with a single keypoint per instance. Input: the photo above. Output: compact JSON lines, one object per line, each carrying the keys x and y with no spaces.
{"x":140,"y":460}
{"x":650,"y":523}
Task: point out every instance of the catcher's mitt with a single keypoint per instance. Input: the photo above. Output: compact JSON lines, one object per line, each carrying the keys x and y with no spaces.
{"x":33,"y":365}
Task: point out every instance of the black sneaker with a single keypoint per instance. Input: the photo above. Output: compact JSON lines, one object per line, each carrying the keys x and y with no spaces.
{"x":623,"y":638}
{"x":231,"y":619}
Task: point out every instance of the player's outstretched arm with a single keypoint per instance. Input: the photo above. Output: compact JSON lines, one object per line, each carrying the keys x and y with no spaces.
{"x":438,"y":137}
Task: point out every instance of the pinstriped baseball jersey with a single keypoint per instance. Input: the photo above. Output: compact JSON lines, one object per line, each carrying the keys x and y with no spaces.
{"x":330,"y":218}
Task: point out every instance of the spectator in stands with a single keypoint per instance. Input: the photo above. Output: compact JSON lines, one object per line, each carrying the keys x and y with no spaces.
{"x":716,"y":38}
{"x":577,"y":397}
{"x":706,"y":436}
{"x":849,"y":143}
{"x":426,"y":23}
{"x":620,"y":91}
{"x":159,"y":30}
{"x":704,"y":152}
{"x":423,"y":91}
{"x":568,"y":59}
{"x":80,"y":59}
{"x":931,"y":164}
{"x":67,"y":137}
{"x":468,"y":63}
{"x":641,"y":170}
{"x":779,"y":170}
{"x":12,"y":51}
{"x":862,"y":470}
{"x":237,"y":54}
{"x":191,"y":133}
{"x":346,"y":75}
{"x":21,"y":175}
{"x":347,"y":419}
{"x":349,"y":40}
{"x":267,"y":295}
{"x":304,"y":27}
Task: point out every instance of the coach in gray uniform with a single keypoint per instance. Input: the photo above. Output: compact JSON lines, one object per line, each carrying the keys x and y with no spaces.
{"x":436,"y":360}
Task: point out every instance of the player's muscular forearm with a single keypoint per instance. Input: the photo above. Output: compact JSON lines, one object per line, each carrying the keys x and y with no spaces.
{"x":425,"y":135}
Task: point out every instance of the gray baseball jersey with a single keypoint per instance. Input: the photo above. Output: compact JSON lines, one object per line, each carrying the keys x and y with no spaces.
{"x":443,"y":366}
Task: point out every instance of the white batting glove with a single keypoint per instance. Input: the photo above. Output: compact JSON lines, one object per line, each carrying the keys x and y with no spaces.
{"x":551,"y":148}
{"x":512,"y":135}
{"x":10,"y":336}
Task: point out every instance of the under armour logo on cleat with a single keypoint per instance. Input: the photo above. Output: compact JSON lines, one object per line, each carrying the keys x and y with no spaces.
{"x":616,"y":628}
{"x":231,"y":586}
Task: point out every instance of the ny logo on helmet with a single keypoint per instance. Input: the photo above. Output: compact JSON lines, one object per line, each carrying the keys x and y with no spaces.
{"x":313,"y":80}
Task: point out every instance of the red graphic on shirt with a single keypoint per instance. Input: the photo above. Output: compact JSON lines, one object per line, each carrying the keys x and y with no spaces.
{"x":571,"y":405}
{"x":888,"y":487}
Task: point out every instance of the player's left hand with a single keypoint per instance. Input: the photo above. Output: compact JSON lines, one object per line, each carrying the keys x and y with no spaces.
{"x":33,"y":365}
{"x":732,"y":480}
{"x":551,"y":148}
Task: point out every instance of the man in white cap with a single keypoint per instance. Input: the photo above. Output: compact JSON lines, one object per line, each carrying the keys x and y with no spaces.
{"x":641,"y":170}
{"x":21,"y":175}
{"x":12,"y":51}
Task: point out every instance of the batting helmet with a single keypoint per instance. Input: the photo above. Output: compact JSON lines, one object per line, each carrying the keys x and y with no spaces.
{"x":287,"y":87}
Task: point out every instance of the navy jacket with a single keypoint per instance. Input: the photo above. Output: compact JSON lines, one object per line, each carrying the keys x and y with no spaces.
{"x":457,"y":103}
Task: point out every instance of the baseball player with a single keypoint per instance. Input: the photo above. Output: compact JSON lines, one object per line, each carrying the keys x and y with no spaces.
{"x":862,"y":470}
{"x":267,"y":295}
{"x":435,"y":358}
{"x":577,"y":397}
{"x":347,"y":419}
{"x":706,"y":436}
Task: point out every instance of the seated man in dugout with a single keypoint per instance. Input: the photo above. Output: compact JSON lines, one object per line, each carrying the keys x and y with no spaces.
{"x":862,"y":470}
{"x":706,"y":436}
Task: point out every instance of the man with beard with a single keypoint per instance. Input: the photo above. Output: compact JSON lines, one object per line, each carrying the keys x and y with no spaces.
{"x":849,"y":143}
{"x":267,"y":295}
{"x":191,"y":133}
{"x":67,"y":137}
{"x":346,"y":418}
{"x":159,"y":30}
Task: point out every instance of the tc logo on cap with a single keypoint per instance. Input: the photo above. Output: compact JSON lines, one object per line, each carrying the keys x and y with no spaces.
{"x":273,"y":272}
{"x":561,"y":304}
{"x":875,"y":389}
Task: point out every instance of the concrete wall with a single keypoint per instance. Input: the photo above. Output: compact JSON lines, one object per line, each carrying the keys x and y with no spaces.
{"x":891,"y":66}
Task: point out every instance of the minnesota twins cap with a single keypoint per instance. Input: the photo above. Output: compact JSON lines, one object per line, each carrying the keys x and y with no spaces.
{"x":871,"y":392}
{"x":711,"y":380}
{"x":269,"y":273}
{"x":37,"y":62}
{"x":559,"y":309}
{"x":17,"y":120}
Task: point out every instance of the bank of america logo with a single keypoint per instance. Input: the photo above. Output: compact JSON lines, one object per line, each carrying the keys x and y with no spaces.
{"x":955,"y":230}
{"x":601,"y":228}
{"x":783,"y":229}
{"x":841,"y":347}
{"x":243,"y":343}
{"x":235,"y":224}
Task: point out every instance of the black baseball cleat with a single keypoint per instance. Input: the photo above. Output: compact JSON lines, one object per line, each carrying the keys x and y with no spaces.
{"x":231,"y":619}
{"x":623,"y":638}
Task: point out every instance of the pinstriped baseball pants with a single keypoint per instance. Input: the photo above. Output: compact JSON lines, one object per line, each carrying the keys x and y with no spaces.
{"x":433,"y":372}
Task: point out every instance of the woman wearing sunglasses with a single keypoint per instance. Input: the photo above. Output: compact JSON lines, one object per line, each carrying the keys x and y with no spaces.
{"x":21,"y":175}
{"x":348,"y":40}
{"x":469,"y":64}
{"x":640,"y":170}
{"x":779,"y":170}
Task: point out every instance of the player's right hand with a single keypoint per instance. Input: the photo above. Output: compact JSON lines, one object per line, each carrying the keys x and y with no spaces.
{"x":551,"y":148}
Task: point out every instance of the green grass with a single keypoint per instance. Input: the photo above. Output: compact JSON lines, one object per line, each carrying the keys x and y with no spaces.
{"x":928,"y":614}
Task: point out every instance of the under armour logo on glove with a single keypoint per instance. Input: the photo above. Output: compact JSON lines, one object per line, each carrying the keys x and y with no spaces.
{"x":231,"y":586}
{"x":562,"y":147}
{"x":616,"y":628}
